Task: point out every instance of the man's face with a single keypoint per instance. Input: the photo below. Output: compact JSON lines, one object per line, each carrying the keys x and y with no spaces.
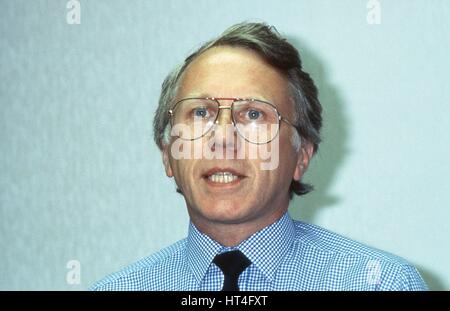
{"x":254,"y":196}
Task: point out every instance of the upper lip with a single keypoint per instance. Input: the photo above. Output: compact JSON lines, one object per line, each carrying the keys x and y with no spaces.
{"x":214,"y":170}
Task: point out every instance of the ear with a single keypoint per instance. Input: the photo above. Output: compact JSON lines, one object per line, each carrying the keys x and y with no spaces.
{"x":304,"y":155}
{"x":166,"y":160}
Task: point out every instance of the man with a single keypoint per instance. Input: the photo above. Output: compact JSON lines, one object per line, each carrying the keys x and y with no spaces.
{"x":237,"y":124}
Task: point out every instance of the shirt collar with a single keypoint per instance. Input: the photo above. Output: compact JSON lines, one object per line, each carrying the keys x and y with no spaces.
{"x":201,"y":250}
{"x":265,"y":248}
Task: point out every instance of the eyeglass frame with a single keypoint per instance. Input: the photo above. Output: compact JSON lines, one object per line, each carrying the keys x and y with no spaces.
{"x":234,"y":99}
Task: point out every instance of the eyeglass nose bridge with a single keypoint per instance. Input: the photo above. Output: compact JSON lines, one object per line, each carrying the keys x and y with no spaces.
{"x":227,"y":108}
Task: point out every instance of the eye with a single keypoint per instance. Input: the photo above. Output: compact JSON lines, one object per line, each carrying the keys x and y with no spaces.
{"x":200,"y":112}
{"x":254,"y":114}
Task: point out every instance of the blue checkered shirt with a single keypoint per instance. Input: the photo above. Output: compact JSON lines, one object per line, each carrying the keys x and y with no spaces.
{"x":286,"y":255}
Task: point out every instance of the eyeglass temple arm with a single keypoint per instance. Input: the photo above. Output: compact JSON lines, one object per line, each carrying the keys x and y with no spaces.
{"x":281,"y":118}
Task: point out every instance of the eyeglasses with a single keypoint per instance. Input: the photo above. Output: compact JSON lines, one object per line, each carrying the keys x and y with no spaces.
{"x":256,"y":121}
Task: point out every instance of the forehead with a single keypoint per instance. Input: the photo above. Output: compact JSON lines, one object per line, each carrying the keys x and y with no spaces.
{"x":233,"y":72}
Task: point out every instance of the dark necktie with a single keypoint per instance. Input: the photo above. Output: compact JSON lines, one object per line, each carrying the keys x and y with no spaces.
{"x":232,"y":264}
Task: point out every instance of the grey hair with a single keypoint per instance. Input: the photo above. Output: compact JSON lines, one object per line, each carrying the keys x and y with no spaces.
{"x":276,"y":51}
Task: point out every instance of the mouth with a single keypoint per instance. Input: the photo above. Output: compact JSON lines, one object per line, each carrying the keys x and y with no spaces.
{"x":223,"y":177}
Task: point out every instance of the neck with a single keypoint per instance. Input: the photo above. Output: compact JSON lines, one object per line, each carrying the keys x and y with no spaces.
{"x":232,"y":234}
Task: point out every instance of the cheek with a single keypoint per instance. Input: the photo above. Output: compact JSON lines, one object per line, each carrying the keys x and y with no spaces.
{"x":287,"y":155}
{"x":182,"y":171}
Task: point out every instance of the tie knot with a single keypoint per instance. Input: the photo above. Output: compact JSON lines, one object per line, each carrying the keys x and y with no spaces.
{"x":232,"y":263}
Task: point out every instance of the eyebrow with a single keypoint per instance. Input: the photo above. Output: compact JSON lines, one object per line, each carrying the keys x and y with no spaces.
{"x":197,"y":95}
{"x":204,"y":95}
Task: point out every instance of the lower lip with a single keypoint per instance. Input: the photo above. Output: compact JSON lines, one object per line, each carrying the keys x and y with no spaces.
{"x":232,"y":184}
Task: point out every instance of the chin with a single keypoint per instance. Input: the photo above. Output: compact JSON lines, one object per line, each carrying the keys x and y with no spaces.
{"x":229,"y":211}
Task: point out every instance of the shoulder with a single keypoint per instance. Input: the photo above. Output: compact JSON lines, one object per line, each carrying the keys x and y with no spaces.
{"x":145,"y":273}
{"x":355,"y":264}
{"x":326,"y":241}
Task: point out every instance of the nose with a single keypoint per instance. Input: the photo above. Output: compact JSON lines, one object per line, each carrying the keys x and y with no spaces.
{"x":224,"y":133}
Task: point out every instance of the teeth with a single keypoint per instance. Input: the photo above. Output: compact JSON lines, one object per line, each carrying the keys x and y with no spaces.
{"x":223,"y":177}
